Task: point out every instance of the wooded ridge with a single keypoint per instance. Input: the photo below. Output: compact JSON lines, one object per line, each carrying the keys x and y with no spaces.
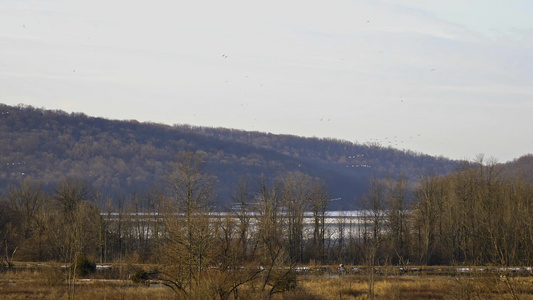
{"x":123,"y":157}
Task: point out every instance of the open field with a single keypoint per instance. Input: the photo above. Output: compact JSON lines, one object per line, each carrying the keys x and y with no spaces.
{"x":47,"y":281}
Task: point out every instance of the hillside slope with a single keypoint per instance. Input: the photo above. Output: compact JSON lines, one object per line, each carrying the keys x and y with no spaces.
{"x":124,"y":157}
{"x":522,"y":166}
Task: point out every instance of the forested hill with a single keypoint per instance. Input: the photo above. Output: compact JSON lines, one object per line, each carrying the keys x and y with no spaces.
{"x":120,"y":158}
{"x":522,"y":166}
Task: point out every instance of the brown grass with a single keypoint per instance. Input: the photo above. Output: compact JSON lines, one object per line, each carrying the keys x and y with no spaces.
{"x":422,"y":287}
{"x":47,"y":282}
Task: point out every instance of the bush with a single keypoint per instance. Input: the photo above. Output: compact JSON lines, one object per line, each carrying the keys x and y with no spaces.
{"x":84,"y":266}
{"x":283,"y":281}
{"x":140,"y":277}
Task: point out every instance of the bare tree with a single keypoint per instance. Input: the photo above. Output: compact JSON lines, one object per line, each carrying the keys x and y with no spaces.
{"x":297,"y":189}
{"x":427,"y":211}
{"x":242,"y":198}
{"x":27,"y":202}
{"x":374,"y":207}
{"x":233,"y":268}
{"x":7,"y":243}
{"x":69,"y":193}
{"x":73,"y":228}
{"x":186,"y":245}
{"x":397,"y":211}
{"x":272,"y":252}
{"x":319,"y":200}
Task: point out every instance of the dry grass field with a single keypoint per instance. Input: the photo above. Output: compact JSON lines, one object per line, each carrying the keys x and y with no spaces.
{"x":423,"y":287}
{"x":48,"y":282}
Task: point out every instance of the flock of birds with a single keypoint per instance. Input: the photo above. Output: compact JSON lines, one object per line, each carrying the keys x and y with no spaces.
{"x":391,"y":141}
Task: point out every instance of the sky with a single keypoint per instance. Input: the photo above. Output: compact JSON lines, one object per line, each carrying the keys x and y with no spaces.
{"x":446,"y":78}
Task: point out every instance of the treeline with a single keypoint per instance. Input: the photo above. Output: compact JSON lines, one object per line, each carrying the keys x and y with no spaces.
{"x":173,"y":226}
{"x":37,"y":222}
{"x":473,"y":216}
{"x":477,"y":215}
{"x":115,"y":156}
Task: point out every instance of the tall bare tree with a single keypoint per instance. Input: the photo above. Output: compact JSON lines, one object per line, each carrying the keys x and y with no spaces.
{"x":73,"y":229}
{"x":374,"y":204}
{"x":27,"y":201}
{"x":427,"y":212}
{"x":242,"y":200}
{"x":270,"y":238}
{"x":319,"y":200}
{"x":297,"y":189}
{"x":397,"y":195}
{"x":186,"y":245}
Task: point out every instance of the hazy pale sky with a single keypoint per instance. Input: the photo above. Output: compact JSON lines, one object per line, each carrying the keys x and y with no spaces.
{"x":451,"y":78}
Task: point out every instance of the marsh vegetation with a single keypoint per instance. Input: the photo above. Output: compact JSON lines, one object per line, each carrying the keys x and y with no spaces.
{"x":115,"y":281}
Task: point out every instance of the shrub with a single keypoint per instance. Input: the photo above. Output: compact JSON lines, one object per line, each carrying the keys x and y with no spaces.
{"x":84,"y":266}
{"x":140,"y":277}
